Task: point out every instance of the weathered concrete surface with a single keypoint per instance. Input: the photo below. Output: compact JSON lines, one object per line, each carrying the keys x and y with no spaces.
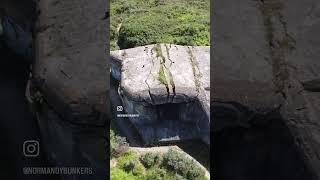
{"x":140,"y":74}
{"x":72,"y":145}
{"x":165,"y":85}
{"x":266,"y":62}
{"x":243,"y":70}
{"x":71,"y":68}
{"x":69,"y":87}
{"x":302,"y":108}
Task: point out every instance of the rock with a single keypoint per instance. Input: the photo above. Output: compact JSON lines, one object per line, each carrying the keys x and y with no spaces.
{"x":165,"y":85}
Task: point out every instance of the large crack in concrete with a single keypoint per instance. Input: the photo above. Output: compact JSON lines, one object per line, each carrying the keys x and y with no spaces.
{"x":162,"y":73}
{"x":280,"y":43}
{"x":165,"y":75}
{"x":146,"y":80}
{"x":195,"y":70}
{"x":285,"y":75}
{"x":170,"y":74}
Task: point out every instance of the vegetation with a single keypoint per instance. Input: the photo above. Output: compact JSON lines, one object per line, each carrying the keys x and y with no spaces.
{"x":118,"y":174}
{"x":38,"y":98}
{"x":179,"y":163}
{"x":141,"y":22}
{"x":118,"y":145}
{"x":150,"y":159}
{"x":173,"y":165}
{"x":162,"y":76}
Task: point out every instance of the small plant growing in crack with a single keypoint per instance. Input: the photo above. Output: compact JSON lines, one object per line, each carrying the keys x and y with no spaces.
{"x":158,"y":50}
{"x":195,"y":68}
{"x":162,"y":77}
{"x":168,"y":54}
{"x":38,"y":99}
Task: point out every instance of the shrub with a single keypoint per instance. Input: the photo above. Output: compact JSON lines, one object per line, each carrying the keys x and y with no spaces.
{"x":178,"y":177}
{"x":118,"y":174}
{"x":138,"y":170}
{"x":118,"y":145}
{"x":155,"y":174}
{"x":129,"y":165}
{"x":150,"y":159}
{"x":181,"y":164}
{"x":38,"y":98}
{"x":125,"y":161}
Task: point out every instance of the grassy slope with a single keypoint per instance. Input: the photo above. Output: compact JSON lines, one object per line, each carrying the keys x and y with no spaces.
{"x":158,"y":171}
{"x":168,"y":166}
{"x":142,"y":22}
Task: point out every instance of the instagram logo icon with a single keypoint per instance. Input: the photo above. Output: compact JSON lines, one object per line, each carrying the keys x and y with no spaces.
{"x":31,"y":148}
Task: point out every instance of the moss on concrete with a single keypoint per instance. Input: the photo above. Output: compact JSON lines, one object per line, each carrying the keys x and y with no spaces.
{"x":162,"y":76}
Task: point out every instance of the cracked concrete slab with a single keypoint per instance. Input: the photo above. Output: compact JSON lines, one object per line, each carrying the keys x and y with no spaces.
{"x":140,"y":73}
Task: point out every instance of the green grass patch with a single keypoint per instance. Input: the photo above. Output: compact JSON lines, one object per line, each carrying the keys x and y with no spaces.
{"x":142,"y":22}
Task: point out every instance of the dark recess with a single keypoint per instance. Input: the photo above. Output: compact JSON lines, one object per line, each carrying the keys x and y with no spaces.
{"x":265,"y":150}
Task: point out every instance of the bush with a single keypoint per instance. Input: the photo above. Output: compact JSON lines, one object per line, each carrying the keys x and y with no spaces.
{"x":181,"y":164}
{"x":150,"y":159}
{"x":178,"y":177}
{"x":138,"y":170}
{"x":129,"y":165}
{"x":118,"y":145}
{"x":118,"y":174}
{"x":155,"y":174}
{"x":125,"y":161}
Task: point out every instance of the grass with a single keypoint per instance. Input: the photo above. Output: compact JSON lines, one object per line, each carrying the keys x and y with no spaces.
{"x":142,"y":22}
